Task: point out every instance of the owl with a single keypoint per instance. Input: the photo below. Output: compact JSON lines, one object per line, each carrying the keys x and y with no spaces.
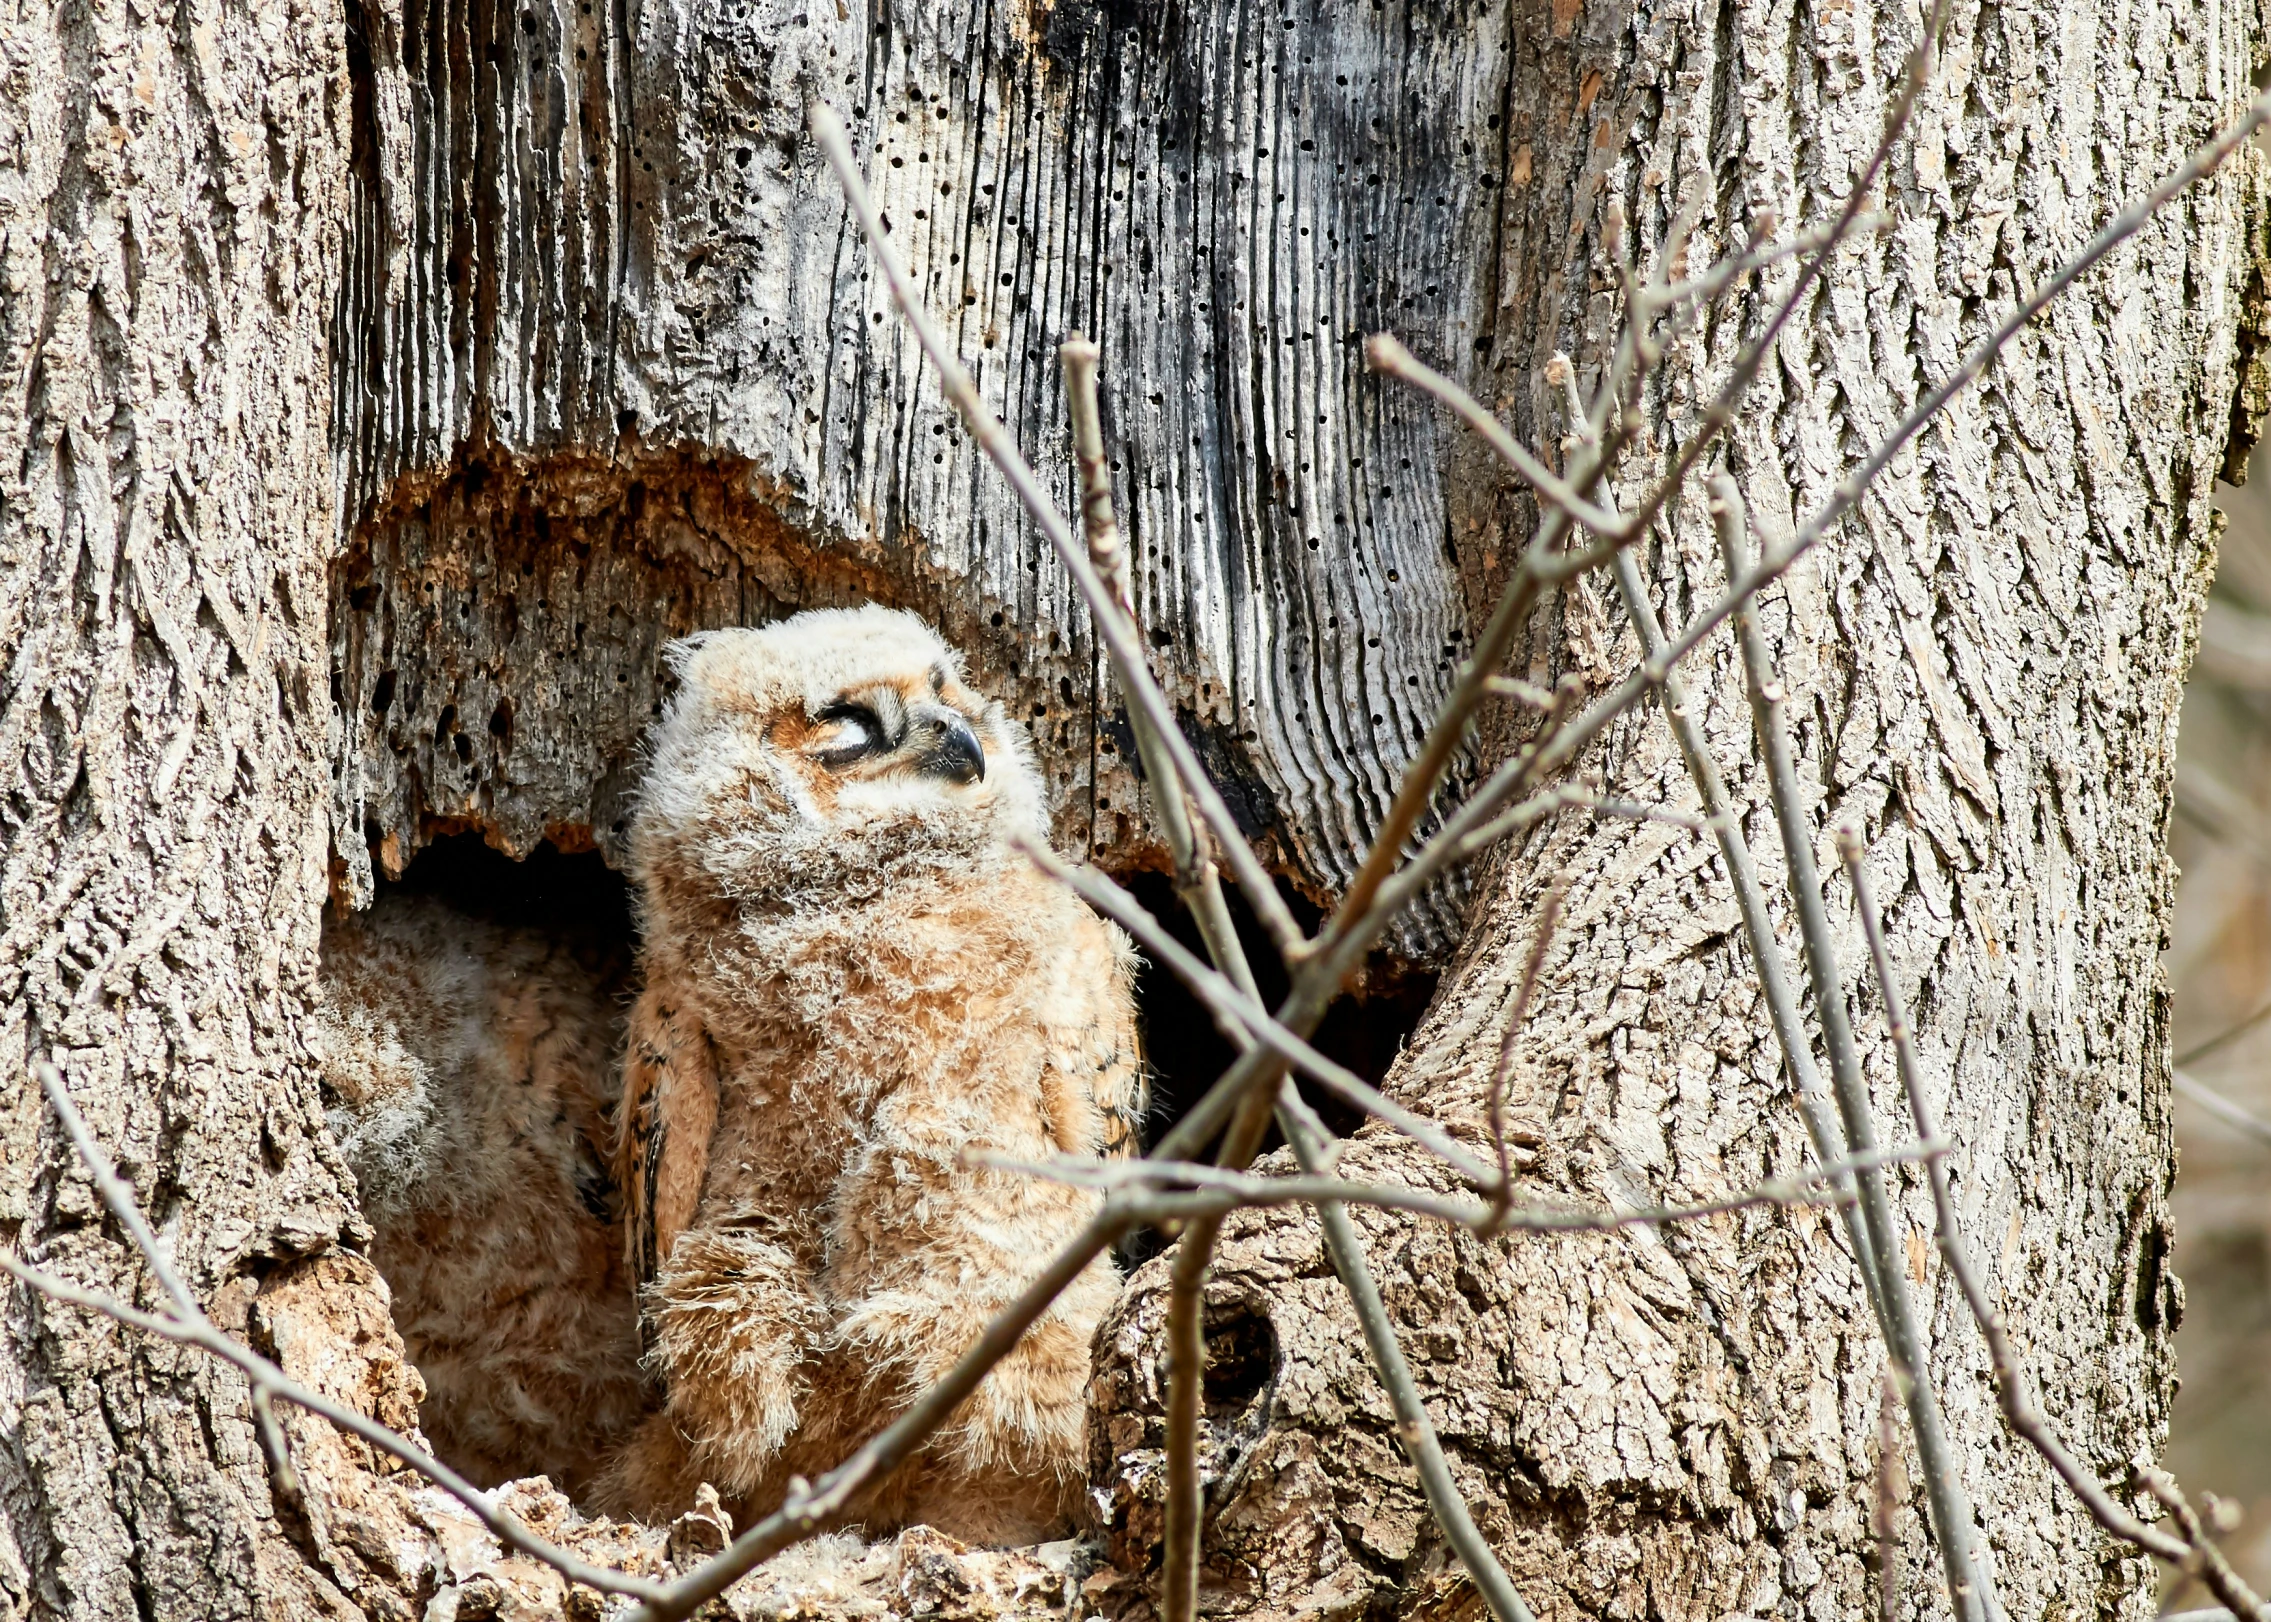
{"x":855,"y":987}
{"x":470,"y":1077}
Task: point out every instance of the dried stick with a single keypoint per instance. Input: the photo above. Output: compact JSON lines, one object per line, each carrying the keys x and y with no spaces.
{"x":1815,"y":1106}
{"x":2201,"y":163}
{"x":2223,"y":1038}
{"x":2203,"y":1559}
{"x":1113,"y":630}
{"x":1200,"y":888}
{"x":2222,"y":1108}
{"x":1549,"y":915}
{"x":187,"y":1325}
{"x":2019,"y":1409}
{"x":1943,"y":1487}
{"x":1240,"y":1016}
{"x":1311,"y":1147}
{"x":1387,"y":355}
{"x":1381,"y":893}
{"x":1196,"y":880}
{"x":1214,"y":1191}
{"x":1719,"y":416}
{"x":1892,"y":1487}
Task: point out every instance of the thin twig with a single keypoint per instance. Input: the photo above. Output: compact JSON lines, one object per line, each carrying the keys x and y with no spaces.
{"x":1196,"y":881}
{"x":1186,"y":1370}
{"x":1904,"y":1340}
{"x":2222,"y":1108}
{"x":2018,"y":1403}
{"x":1815,"y":1107}
{"x":1892,"y":1487}
{"x":1721,"y":414}
{"x":1386,"y":354}
{"x":1549,"y":915}
{"x":187,"y":1325}
{"x":1242,"y":1016}
{"x":2203,"y":1559}
{"x":1214,"y":1192}
{"x":2223,"y":1038}
{"x":1311,"y":1147}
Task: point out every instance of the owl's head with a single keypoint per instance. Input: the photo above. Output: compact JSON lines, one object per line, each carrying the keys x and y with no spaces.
{"x":827,"y":754}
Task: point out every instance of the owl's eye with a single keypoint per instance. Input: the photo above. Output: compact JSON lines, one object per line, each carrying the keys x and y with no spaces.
{"x":856,"y":731}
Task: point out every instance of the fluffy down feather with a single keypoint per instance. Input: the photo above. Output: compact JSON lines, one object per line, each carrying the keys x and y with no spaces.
{"x":852,"y":983}
{"x":471,"y":1079}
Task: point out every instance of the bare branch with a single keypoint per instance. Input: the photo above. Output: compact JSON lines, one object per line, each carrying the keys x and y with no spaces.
{"x":1892,"y":1487}
{"x":1904,"y":1340}
{"x":1196,"y":880}
{"x":2018,"y":1404}
{"x":1815,"y":1107}
{"x":1245,"y":1017}
{"x":2203,"y":1559}
{"x":1549,"y":915}
{"x":1387,"y":355}
{"x":1186,"y":1369}
{"x":2203,"y":162}
{"x":1216,"y":1191}
{"x":1310,"y":1142}
{"x":1720,"y":415}
{"x":114,"y":1191}
{"x":2223,"y":1038}
{"x":2222,"y":1108}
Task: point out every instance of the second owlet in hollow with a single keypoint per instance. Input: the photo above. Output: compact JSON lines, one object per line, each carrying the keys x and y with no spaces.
{"x":854,"y":983}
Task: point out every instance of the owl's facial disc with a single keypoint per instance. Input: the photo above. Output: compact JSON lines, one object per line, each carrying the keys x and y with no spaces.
{"x":881,"y":731}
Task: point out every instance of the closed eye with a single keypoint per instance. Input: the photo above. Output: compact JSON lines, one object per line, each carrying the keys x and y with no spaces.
{"x":856,"y":732}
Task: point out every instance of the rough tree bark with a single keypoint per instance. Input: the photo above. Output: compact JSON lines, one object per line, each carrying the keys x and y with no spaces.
{"x":603,"y":362}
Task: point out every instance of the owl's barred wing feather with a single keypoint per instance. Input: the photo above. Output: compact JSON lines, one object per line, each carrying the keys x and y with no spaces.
{"x":669,"y":1113}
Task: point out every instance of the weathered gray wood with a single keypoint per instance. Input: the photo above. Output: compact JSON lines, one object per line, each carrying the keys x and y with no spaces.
{"x":595,"y":244}
{"x":1985,"y":668}
{"x":667,"y":394}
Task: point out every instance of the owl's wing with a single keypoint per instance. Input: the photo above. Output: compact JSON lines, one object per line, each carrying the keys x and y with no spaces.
{"x":1109,"y":1056}
{"x":669,"y":1110}
{"x":1123,"y":1090}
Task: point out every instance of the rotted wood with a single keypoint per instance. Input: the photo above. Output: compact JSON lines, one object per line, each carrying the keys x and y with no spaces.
{"x":596,"y":263}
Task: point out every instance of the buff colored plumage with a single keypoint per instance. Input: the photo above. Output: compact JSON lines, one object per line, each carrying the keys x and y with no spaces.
{"x":853,"y":982}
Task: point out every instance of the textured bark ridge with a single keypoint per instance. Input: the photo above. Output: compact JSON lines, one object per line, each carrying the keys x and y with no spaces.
{"x":1985,"y":668}
{"x":171,"y":203}
{"x":581,"y":233}
{"x":463,"y":353}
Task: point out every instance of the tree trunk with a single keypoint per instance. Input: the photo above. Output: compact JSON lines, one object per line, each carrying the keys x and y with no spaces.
{"x":606,"y":363}
{"x":1984,"y":668}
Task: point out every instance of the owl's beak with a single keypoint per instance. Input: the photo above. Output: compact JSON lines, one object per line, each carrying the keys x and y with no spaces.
{"x":947,"y":747}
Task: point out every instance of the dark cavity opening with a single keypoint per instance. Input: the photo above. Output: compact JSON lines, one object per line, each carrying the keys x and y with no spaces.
{"x":572,"y":895}
{"x":1364,"y":1030}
